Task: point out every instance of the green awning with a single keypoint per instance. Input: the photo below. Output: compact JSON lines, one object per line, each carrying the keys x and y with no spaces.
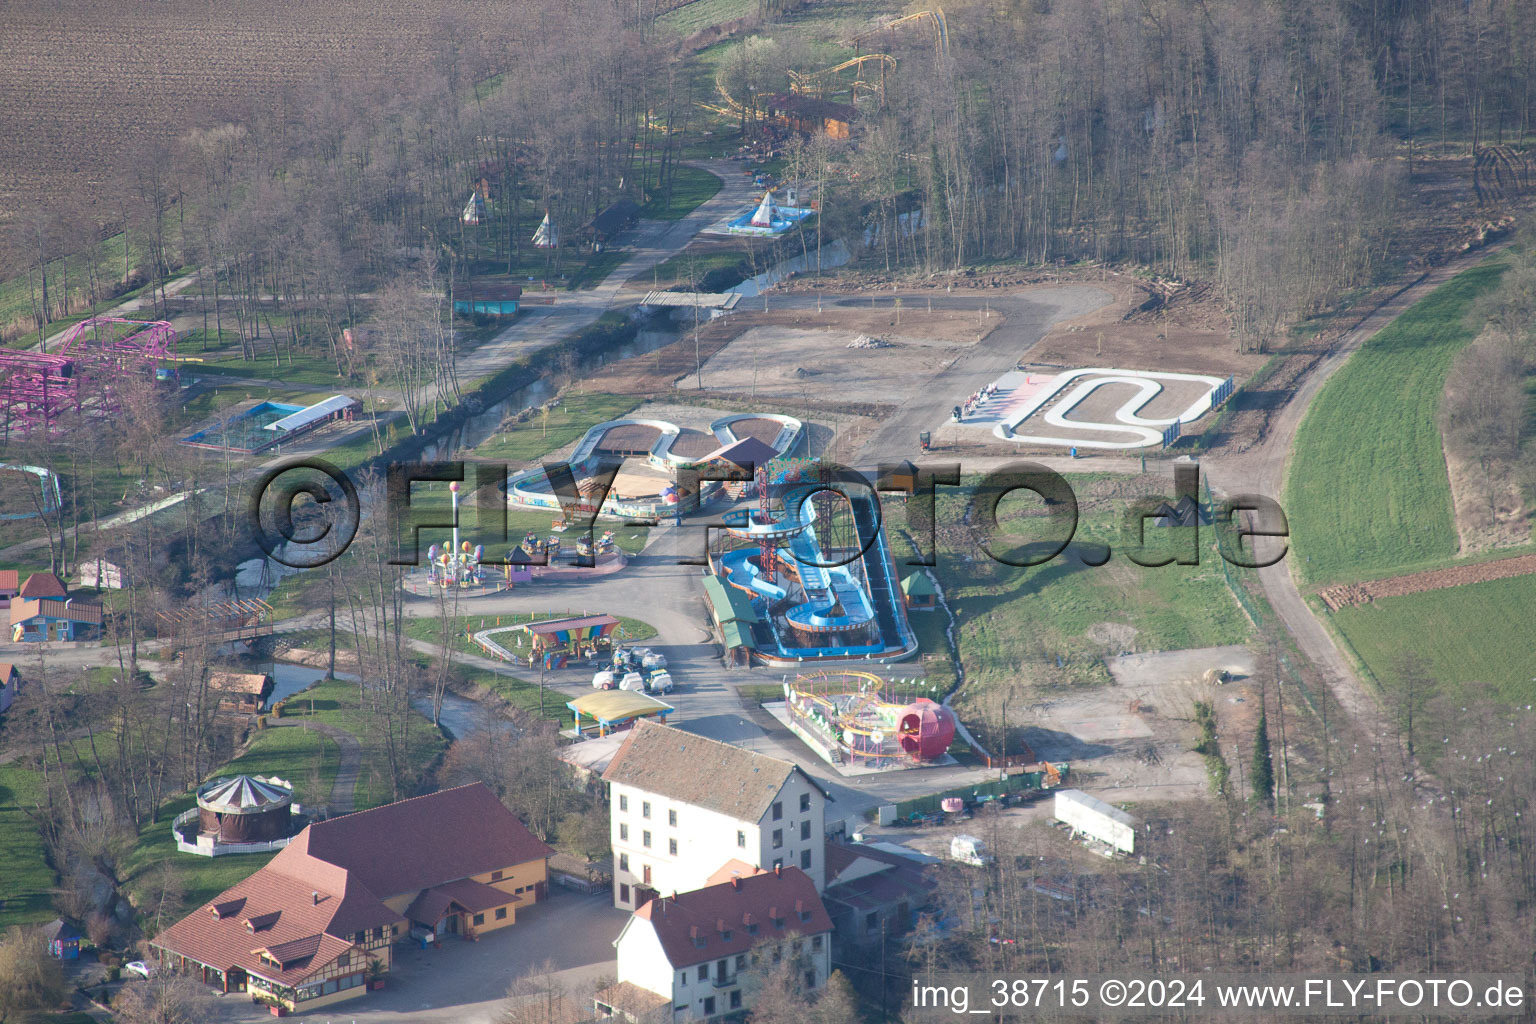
{"x":728,"y":603}
{"x":737,"y":635}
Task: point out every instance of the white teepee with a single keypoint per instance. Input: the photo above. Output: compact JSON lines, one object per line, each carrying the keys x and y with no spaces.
{"x":474,"y":210}
{"x":545,"y":237}
{"x":766,"y":213}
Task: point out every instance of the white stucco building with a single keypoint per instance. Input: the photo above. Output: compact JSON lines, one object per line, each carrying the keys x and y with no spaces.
{"x":689,"y":954}
{"x":681,"y":806}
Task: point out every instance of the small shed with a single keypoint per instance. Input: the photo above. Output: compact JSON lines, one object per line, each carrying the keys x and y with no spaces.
{"x":487,"y":298}
{"x":613,"y":221}
{"x":811,"y":115}
{"x":51,"y":618}
{"x":63,"y":940}
{"x":901,"y":478}
{"x":241,"y":693}
{"x":919,"y":592}
{"x":10,"y":586}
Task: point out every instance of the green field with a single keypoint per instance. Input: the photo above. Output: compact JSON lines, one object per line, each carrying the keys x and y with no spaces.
{"x":535,"y":438}
{"x":1368,"y":493}
{"x":690,"y":188}
{"x":1478,"y":632}
{"x":27,"y":881}
{"x":700,"y":14}
{"x":1052,"y":625}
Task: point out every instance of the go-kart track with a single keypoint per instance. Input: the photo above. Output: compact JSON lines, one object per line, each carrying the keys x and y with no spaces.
{"x":1096,"y":407}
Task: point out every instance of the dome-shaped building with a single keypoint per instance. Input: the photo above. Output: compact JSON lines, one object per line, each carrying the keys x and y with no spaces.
{"x":925,"y":729}
{"x":246,"y":809}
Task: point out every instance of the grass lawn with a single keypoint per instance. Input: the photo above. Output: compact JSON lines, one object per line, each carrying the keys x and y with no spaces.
{"x":27,"y":881}
{"x":1479,"y":632}
{"x":530,"y":441}
{"x":689,"y":266}
{"x":700,"y":14}
{"x":1368,"y":493}
{"x":306,"y":759}
{"x":1052,"y":625}
{"x":335,"y":703}
{"x":690,"y":187}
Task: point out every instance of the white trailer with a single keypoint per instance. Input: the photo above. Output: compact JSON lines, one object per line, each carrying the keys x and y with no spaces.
{"x":1093,"y":817}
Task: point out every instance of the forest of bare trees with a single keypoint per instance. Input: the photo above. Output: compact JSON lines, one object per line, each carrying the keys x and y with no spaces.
{"x":1262,"y":146}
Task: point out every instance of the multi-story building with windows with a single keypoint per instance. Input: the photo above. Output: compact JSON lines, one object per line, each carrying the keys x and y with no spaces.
{"x":682,"y":805}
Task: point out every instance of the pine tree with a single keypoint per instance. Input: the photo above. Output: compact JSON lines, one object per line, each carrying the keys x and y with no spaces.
{"x":1263,"y":773}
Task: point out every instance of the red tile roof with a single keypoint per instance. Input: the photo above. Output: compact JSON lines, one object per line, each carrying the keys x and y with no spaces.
{"x":283,"y":913}
{"x":6,"y":669}
{"x":711,"y":922}
{"x":10,"y":579}
{"x":425,"y":841}
{"x":43,"y":584}
{"x":329,"y":882}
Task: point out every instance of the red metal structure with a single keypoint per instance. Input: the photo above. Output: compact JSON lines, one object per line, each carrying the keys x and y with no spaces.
{"x":80,"y":378}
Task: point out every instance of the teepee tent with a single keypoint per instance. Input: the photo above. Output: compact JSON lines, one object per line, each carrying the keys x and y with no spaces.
{"x":766,"y":213}
{"x":474,"y":210}
{"x":545,"y":237}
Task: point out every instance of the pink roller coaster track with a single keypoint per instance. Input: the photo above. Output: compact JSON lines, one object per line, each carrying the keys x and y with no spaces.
{"x":78,"y":379}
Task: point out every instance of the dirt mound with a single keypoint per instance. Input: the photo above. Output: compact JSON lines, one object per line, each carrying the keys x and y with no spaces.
{"x":1419,"y":582}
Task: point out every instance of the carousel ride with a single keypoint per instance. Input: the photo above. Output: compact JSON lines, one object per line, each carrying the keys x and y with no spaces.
{"x":855,"y":717}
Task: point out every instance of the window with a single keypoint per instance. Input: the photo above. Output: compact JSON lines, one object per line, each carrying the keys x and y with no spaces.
{"x":645,"y":809}
{"x":698,"y":943}
{"x":645,"y":838}
{"x":501,"y":915}
{"x":778,"y":838}
{"x":778,"y":810}
{"x":805,"y":860}
{"x":805,"y":830}
{"x":805,"y":915}
{"x":496,"y":876}
{"x":479,"y":919}
{"x":805,"y":802}
{"x":623,"y":894}
{"x":672,"y":847}
{"x":623,"y":862}
{"x":344,"y":960}
{"x":720,"y":970}
{"x":520,"y":890}
{"x":810,"y":979}
{"x":815,"y":943}
{"x":623,"y":803}
{"x":741,"y":839}
{"x":736,"y":999}
{"x":704,"y":969}
{"x":709,"y":1006}
{"x":624,"y":832}
{"x":872,"y":921}
{"x":725,"y":936}
{"x":741,"y":961}
{"x":378,"y":933}
{"x":672,"y":818}
{"x":752,"y":928}
{"x":360,"y":937}
{"x":645,"y":873}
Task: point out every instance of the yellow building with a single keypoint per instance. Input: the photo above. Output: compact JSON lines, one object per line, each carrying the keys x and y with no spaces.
{"x":313,"y":926}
